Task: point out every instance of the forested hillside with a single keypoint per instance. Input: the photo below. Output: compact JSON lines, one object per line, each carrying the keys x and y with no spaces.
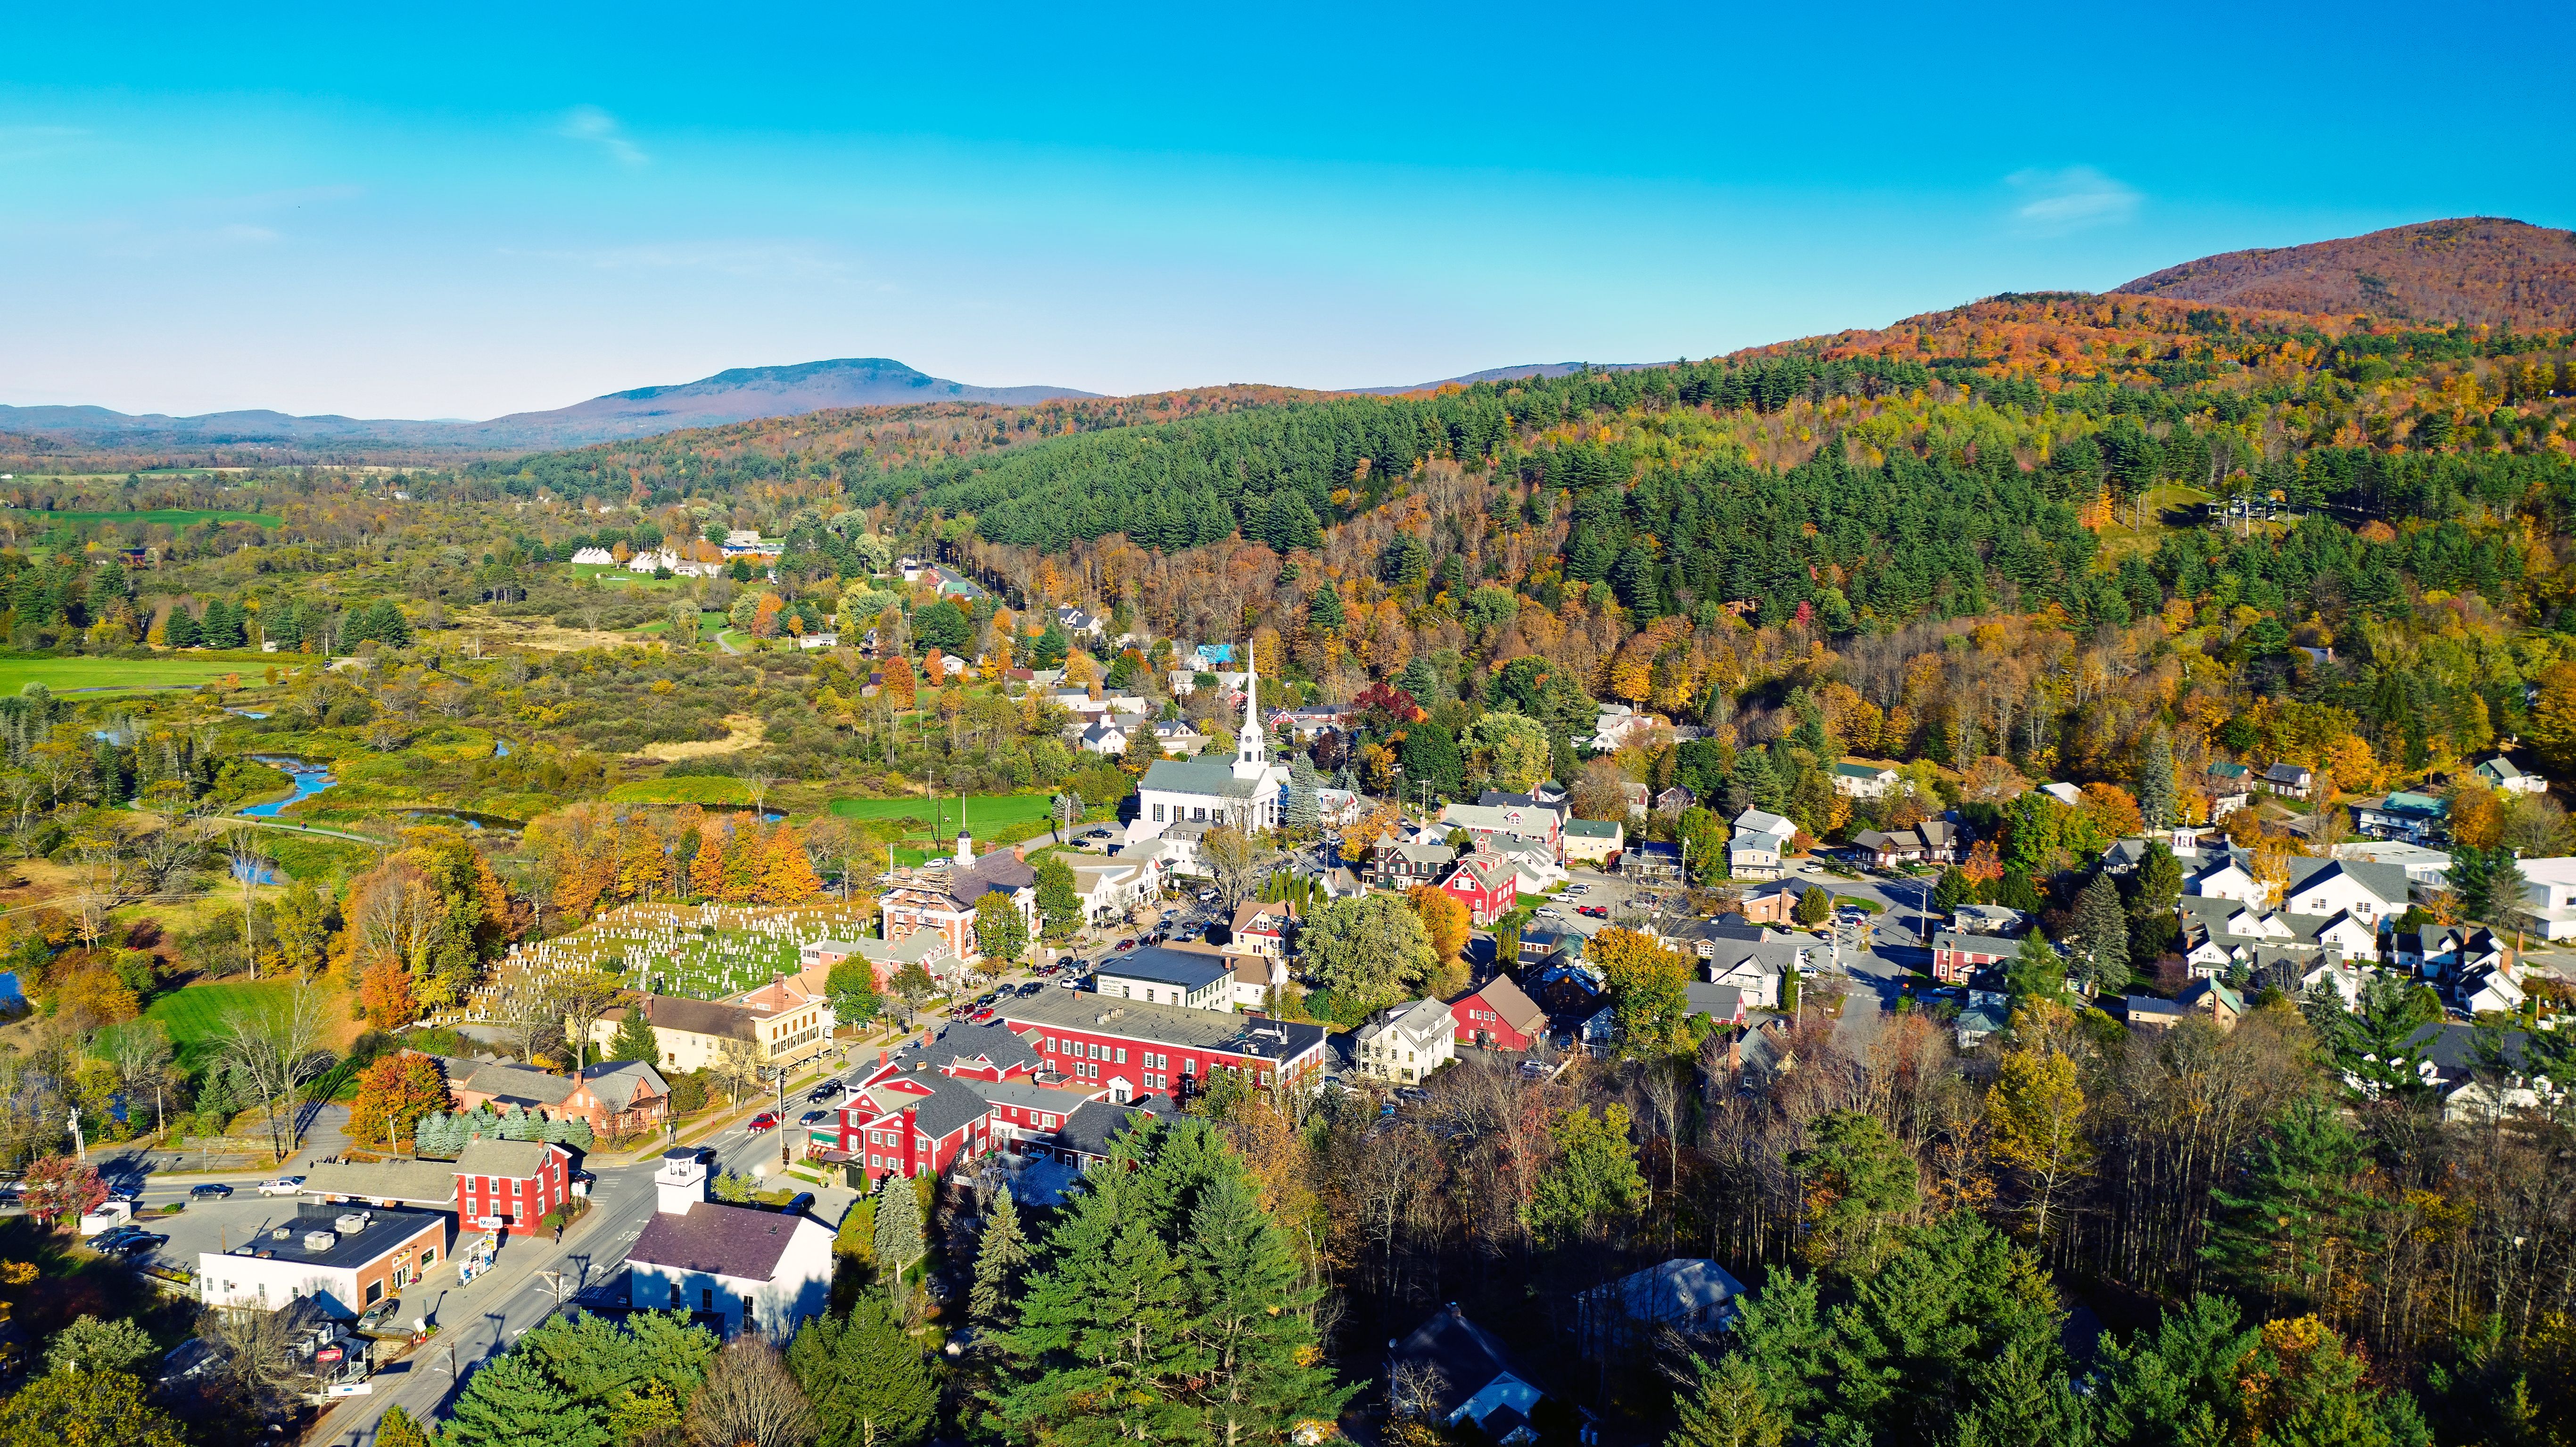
{"x":2479,"y":270}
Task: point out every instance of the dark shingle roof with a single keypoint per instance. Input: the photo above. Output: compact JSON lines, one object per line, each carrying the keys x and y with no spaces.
{"x":1463,"y":1355}
{"x":951,"y":1106}
{"x":1095,"y":1124}
{"x":734,"y":1241}
{"x":963,"y":1043}
{"x":1176,"y":1025}
{"x":1156,"y":965}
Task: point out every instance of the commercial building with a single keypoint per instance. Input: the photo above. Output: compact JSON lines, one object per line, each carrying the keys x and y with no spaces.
{"x":1130,"y":1048}
{"x":347,"y":1255}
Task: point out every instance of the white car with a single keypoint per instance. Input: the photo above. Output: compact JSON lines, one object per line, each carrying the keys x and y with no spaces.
{"x":282,"y":1186}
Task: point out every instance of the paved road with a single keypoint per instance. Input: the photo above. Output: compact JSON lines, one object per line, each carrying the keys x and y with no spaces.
{"x":480,"y":1319}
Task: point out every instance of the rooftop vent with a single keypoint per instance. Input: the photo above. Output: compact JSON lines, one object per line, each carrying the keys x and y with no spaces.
{"x":350,"y":1223}
{"x":282,"y":1233}
{"x":320,"y":1240}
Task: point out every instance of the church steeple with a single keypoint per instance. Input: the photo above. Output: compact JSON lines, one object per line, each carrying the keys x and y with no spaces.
{"x":1251,"y":744}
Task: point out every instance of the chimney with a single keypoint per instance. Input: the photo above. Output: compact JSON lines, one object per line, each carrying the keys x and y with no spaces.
{"x":881,"y":1057}
{"x":681,"y":1183}
{"x":1020,"y":852}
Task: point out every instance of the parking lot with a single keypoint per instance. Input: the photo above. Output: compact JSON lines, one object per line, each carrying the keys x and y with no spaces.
{"x":212,"y":1226}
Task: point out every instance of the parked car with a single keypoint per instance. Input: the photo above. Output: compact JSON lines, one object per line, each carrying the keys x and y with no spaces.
{"x":209,"y":1191}
{"x":1533,"y":1070}
{"x":282,"y":1186}
{"x":1592,"y":911}
{"x":1032,"y":987}
{"x":814,"y":1117}
{"x":1071,"y":982}
{"x":801,"y":1201}
{"x":980,"y":1016}
{"x":1414,"y":1093}
{"x":1204,"y":895}
{"x":137,"y":1244}
{"x":380,"y":1313}
{"x":823,"y":1092}
{"x":1125,"y":945}
{"x":764,"y":1121}
{"x":112,"y":1237}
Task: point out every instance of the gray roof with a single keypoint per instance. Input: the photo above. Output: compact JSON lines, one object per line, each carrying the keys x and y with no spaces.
{"x":1157,"y":965}
{"x":387,"y":1227}
{"x":1000,"y":870}
{"x":964,"y":1043}
{"x":1722,"y":1002}
{"x":1189,"y":776}
{"x":427,"y":1183}
{"x":2286,"y":773}
{"x":2388,"y":881}
{"x":1249,"y":1035}
{"x":1024,"y":1093}
{"x":1691,"y":1292}
{"x":508,"y":1160}
{"x":951,"y":1106}
{"x":615,"y":1081}
{"x":1460,"y":1358}
{"x":1755,"y":821}
{"x":1592,"y":828}
{"x":1096,"y":1124}
{"x":522,"y":1084}
{"x":2451,"y":1046}
{"x":735,"y":1241}
{"x":692,"y":1017}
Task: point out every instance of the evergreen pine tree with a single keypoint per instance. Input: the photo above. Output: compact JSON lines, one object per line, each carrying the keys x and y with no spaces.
{"x":509,"y":1402}
{"x":1250,"y":1317}
{"x":1324,"y":610}
{"x":397,"y":1429}
{"x":2036,"y":971}
{"x":2296,"y":1213}
{"x":869,"y":1383}
{"x":999,"y":1259}
{"x":1727,"y":1410}
{"x":181,"y":630}
{"x":898,"y":1230}
{"x":2156,"y":781}
{"x":2155,"y":886}
{"x":2101,"y":936}
{"x":1304,"y":811}
{"x":634,"y":1039}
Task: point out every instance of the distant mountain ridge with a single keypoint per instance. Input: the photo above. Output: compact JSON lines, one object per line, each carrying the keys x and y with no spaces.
{"x":741,"y":394}
{"x":1501,"y":374}
{"x":2481,"y":270}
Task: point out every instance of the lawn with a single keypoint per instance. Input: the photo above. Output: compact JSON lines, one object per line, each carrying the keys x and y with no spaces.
{"x":686,"y":789}
{"x":63,"y":675}
{"x":986,"y":814}
{"x":193,"y":1015}
{"x":174,"y":517}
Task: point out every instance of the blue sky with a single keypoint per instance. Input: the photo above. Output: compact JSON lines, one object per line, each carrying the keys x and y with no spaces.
{"x":498,"y":209}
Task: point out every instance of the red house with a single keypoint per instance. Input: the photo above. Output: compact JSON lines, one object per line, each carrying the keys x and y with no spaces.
{"x":1498,"y":1017}
{"x":1486,"y":884}
{"x":510,"y":1185}
{"x":1955,"y":956}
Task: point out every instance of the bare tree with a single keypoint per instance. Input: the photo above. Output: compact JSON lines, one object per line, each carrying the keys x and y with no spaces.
{"x":584,"y":998}
{"x":253,"y":1345}
{"x":250,"y":865}
{"x":758,"y":781}
{"x":1237,"y":861}
{"x":737,"y":1068}
{"x":528,"y":1008}
{"x":141,"y":1053}
{"x":275,"y":1044}
{"x":749,"y":1400}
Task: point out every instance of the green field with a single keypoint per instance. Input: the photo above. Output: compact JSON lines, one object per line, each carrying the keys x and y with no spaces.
{"x":173,"y":516}
{"x":687,"y":789}
{"x":986,"y":814}
{"x":192,"y":1015}
{"x":314,"y":858}
{"x":62,"y":675}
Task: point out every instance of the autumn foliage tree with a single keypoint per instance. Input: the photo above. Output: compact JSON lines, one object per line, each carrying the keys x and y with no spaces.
{"x":1446,"y":921}
{"x":393,"y":1094}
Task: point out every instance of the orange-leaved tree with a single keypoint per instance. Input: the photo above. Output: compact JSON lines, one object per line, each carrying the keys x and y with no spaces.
{"x":393,"y":1094}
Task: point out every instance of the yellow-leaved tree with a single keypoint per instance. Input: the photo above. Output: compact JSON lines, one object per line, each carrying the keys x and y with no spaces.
{"x":2035,"y":1126}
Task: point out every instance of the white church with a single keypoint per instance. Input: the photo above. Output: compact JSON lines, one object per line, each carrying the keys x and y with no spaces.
{"x":1245,"y":793}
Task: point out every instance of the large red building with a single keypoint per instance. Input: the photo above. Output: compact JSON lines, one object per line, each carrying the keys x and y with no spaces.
{"x":1129,"y":1048}
{"x":1486,"y":884}
{"x":1498,"y":1016}
{"x":971,"y":1090}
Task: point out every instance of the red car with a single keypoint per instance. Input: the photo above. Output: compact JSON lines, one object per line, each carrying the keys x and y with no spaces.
{"x":1593,"y":911}
{"x":763,"y":1121}
{"x":1125,"y":945}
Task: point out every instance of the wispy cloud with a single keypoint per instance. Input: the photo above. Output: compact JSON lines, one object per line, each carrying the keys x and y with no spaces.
{"x":599,"y":128}
{"x":34,"y":143}
{"x":2078,"y":198}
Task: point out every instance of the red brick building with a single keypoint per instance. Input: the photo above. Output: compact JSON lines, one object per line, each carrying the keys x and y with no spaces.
{"x":1956,"y":957}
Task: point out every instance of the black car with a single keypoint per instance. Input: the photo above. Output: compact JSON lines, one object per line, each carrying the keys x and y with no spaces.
{"x":209,"y":1191}
{"x":113,"y":1237}
{"x":801,"y":1201}
{"x":137,"y":1244}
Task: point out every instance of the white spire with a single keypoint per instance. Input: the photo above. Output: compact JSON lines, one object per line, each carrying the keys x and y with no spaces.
{"x":1251,"y":746}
